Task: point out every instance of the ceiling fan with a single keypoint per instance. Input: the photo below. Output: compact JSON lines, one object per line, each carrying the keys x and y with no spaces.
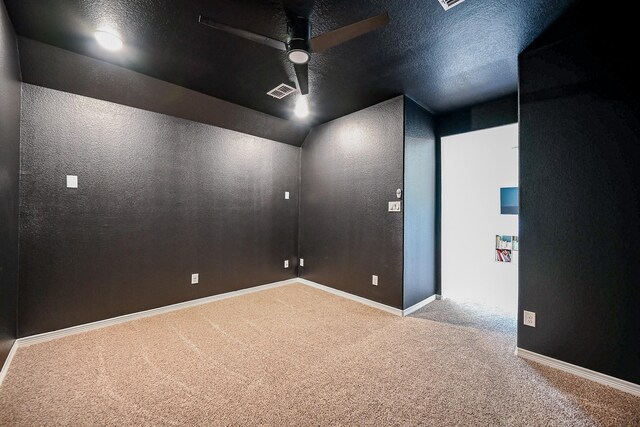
{"x":299,"y":45}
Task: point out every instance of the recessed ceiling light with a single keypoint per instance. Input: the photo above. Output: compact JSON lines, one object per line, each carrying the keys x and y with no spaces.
{"x":302,"y":107}
{"x":108,"y":40}
{"x":299,"y":56}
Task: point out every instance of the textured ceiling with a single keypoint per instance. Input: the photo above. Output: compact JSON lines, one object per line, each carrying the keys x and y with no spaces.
{"x":443,"y":60}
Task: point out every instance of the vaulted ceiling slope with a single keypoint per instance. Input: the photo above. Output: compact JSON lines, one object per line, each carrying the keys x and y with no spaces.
{"x":445,"y":60}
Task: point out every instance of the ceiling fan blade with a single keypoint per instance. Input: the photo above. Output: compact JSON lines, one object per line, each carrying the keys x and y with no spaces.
{"x":264,"y":40}
{"x":333,"y":38}
{"x":302,"y":74}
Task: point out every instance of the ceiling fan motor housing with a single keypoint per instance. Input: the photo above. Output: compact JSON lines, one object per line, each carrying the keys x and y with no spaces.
{"x":299,"y":35}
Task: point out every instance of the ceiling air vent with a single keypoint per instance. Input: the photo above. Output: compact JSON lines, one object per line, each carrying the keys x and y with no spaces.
{"x":281,"y":91}
{"x":448,"y":4}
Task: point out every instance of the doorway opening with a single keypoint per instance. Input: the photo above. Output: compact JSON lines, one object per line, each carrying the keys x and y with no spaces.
{"x":480,"y":241}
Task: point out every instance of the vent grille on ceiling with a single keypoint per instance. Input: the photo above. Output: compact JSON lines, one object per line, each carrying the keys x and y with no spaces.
{"x":448,"y":4}
{"x":281,"y":91}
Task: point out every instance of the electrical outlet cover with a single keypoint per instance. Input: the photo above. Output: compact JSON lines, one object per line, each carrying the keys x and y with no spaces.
{"x":301,"y":262}
{"x":374,"y":280}
{"x":195,"y":278}
{"x":286,"y":263}
{"x":529,"y":318}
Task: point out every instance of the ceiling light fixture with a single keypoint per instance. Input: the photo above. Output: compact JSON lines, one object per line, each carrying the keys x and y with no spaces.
{"x":108,"y":40}
{"x":302,"y":107}
{"x":299,"y":56}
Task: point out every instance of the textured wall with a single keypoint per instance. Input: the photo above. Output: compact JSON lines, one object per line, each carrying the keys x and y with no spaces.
{"x":419,"y":204}
{"x":580,"y":195}
{"x":9,"y":171}
{"x":499,"y":112}
{"x":159,"y":198}
{"x":351,"y":168}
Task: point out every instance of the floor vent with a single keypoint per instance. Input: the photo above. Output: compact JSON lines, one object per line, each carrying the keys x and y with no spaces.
{"x":281,"y":91}
{"x":448,"y":4}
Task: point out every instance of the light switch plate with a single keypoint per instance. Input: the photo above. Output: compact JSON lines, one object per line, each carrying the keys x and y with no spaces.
{"x":286,"y":195}
{"x":195,"y":278}
{"x":72,"y":181}
{"x":395,"y":206}
{"x":286,"y":263}
{"x":301,"y":262}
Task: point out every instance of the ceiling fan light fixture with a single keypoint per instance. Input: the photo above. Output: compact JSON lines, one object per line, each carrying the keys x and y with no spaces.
{"x":302,"y":107}
{"x":108,"y":40}
{"x":300,"y":44}
{"x":299,"y":56}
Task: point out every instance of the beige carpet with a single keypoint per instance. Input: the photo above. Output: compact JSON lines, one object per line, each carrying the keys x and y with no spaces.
{"x":296,"y":356}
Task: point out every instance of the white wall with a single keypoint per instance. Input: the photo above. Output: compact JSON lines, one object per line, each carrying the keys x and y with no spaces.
{"x":475,"y":166}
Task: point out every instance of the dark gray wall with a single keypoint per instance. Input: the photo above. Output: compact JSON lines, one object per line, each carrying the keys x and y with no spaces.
{"x":498,"y":112}
{"x":9,"y":172}
{"x":159,"y":198}
{"x":419,"y":204}
{"x":580,"y":194}
{"x":351,"y":169}
{"x":55,"y":68}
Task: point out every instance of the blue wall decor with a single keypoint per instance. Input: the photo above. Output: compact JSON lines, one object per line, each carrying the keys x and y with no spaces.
{"x":509,"y":201}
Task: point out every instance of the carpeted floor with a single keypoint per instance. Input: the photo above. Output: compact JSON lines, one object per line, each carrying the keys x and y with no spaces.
{"x":297,"y":356}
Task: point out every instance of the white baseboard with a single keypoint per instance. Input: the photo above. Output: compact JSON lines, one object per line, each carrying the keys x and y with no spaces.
{"x":5,"y":366}
{"x":352,"y":297}
{"x":418,"y":306}
{"x":48,"y":336}
{"x":617,"y":383}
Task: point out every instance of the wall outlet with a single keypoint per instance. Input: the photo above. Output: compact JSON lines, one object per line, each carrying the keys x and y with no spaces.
{"x":374,"y":280}
{"x":286,"y":263}
{"x":301,"y":262}
{"x":530,"y":318}
{"x":72,"y":181}
{"x":195,"y":278}
{"x":286,"y":195}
